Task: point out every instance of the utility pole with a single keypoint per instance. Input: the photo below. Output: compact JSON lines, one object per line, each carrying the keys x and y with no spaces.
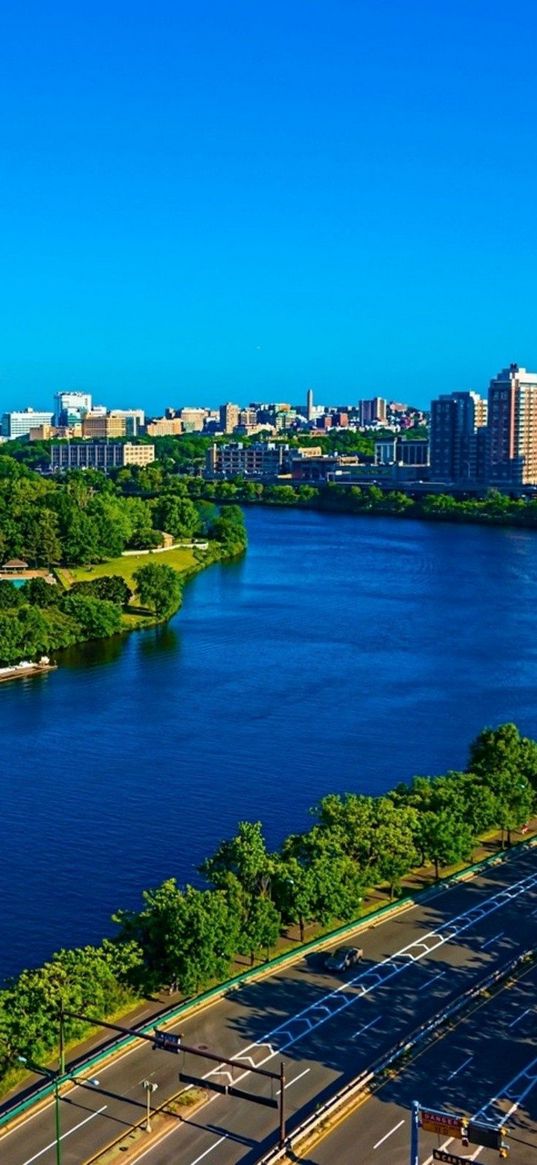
{"x":282,"y":1104}
{"x":62,"y":1040}
{"x":415,"y":1133}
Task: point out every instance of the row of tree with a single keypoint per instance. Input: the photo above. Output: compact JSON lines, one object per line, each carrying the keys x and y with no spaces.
{"x":87,"y":517}
{"x":40,"y":618}
{"x":185,"y":937}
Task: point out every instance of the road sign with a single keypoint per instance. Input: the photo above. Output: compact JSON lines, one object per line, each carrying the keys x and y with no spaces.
{"x":167,"y":1041}
{"x":450,"y":1158}
{"x":443,"y":1123}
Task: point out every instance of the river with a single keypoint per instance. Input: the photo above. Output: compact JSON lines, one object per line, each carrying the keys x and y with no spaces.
{"x":339,"y":653}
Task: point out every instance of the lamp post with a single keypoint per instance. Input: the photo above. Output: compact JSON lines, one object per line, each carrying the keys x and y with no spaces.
{"x":150,"y":1086}
{"x":54,"y":1076}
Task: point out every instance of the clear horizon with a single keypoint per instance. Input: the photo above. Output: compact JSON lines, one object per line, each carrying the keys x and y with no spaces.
{"x":238,"y":203}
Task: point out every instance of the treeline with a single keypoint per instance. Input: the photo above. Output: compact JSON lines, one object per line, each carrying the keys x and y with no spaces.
{"x":40,"y":618}
{"x":494,"y":508}
{"x":183,"y":938}
{"x":87,"y":517}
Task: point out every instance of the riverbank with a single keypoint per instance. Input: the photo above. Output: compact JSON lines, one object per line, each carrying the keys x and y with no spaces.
{"x":92,"y":602}
{"x":494,"y":509}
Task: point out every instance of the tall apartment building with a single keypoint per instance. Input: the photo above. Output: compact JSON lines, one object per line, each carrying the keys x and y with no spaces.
{"x":372,"y":411}
{"x":99,"y":455}
{"x":18,"y":424}
{"x":512,"y":428}
{"x":458,"y":422}
{"x":134,"y":420}
{"x":72,"y":407}
{"x":262,"y":459}
{"x":229,"y":417}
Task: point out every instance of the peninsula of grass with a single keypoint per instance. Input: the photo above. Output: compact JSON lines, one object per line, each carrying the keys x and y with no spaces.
{"x":180,"y":557}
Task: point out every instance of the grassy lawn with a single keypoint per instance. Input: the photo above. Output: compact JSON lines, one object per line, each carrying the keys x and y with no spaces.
{"x":180,"y":558}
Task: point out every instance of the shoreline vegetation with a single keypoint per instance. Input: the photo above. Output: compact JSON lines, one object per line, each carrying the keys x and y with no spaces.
{"x":494,"y":509}
{"x":79,"y":528}
{"x":186,"y":938}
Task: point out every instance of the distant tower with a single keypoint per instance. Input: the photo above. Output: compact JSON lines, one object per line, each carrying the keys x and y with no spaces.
{"x":309,"y":404}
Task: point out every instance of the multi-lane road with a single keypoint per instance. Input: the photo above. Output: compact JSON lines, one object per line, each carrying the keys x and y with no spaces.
{"x":486,"y":1068}
{"x":325,"y":1028}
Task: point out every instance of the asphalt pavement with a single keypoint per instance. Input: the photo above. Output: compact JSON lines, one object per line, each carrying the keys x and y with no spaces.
{"x":326,"y":1028}
{"x":486,"y":1068}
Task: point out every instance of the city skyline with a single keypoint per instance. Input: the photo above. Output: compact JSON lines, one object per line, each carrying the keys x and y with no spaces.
{"x":241,"y":202}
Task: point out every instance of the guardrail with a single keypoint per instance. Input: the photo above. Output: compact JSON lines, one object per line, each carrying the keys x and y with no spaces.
{"x":42,"y":1092}
{"x":363,"y":1080}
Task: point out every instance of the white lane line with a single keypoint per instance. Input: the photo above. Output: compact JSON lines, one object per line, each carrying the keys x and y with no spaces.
{"x":519,"y":1017}
{"x":64,"y":1135}
{"x":366,"y":1027}
{"x":207,"y":1151}
{"x":492,"y":940}
{"x":386,"y":1135}
{"x":460,"y":1068}
{"x":444,"y":934}
{"x":294,"y":1080}
{"x":435,"y":977}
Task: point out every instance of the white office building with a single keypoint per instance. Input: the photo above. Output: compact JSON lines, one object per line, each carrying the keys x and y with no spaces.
{"x":18,"y":424}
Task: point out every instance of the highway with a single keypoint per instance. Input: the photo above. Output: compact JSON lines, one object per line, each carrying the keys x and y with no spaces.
{"x":486,"y":1068}
{"x":326,"y":1028}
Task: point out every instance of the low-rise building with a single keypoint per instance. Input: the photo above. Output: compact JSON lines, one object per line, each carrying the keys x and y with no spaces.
{"x":18,"y":423}
{"x":400,"y":451}
{"x":96,"y":426}
{"x":164,"y":427}
{"x":263,"y":459}
{"x":102,"y":455}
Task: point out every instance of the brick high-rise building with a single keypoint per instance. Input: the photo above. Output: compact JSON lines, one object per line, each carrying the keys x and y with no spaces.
{"x":229,"y":417}
{"x":512,"y":428}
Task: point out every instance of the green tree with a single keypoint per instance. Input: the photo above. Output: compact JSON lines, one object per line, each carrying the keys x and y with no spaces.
{"x":111,"y":587}
{"x":444,"y":839}
{"x":159,"y":586}
{"x":96,"y":618}
{"x":177,"y":516}
{"x":504,"y":750}
{"x":245,"y":856}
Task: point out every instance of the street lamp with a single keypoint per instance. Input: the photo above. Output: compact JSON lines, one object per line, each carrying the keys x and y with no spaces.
{"x":150,"y":1087}
{"x":54,"y":1076}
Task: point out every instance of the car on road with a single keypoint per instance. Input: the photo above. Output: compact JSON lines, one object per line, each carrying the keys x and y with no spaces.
{"x":343,"y":958}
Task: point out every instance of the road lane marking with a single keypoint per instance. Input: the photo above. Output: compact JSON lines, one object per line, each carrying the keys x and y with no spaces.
{"x":492,"y":940}
{"x":502,"y":1117}
{"x":64,"y":1135}
{"x":365,"y":1028}
{"x":445,"y":933}
{"x":294,"y":1080}
{"x":460,"y":1068}
{"x":435,"y":977}
{"x":386,"y":1135}
{"x":209,"y":1150}
{"x":519,"y":1017}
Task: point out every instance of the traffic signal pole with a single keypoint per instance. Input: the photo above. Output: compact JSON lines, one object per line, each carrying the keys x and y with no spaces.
{"x":415,"y":1133}
{"x":282,"y":1105}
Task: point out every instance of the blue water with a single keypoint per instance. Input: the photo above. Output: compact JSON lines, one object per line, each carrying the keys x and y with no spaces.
{"x":339,"y":653}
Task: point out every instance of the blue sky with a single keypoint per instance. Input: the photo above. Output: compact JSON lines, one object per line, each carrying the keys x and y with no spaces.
{"x":236,"y":200}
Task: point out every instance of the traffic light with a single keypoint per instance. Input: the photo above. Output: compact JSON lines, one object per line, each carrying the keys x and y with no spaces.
{"x":489,"y":1137}
{"x":465,"y":1140}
